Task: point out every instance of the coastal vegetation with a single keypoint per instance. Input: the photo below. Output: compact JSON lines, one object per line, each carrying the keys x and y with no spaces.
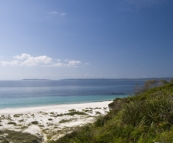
{"x":146,"y":117}
{"x":9,"y":136}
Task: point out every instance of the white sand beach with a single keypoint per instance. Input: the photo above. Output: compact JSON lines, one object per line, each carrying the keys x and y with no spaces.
{"x":51,"y":122}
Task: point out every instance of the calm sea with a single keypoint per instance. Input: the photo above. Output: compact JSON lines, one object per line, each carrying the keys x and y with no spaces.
{"x":27,"y":93}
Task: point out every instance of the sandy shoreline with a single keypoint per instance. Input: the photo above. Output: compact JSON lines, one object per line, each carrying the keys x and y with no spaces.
{"x":51,"y":121}
{"x":60,"y":107}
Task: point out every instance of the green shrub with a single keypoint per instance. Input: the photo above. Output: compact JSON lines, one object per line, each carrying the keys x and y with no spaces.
{"x":12,"y":123}
{"x":18,"y":137}
{"x":65,"y":120}
{"x":17,"y":115}
{"x":34,"y":122}
{"x":72,"y":110}
{"x":100,"y":121}
{"x":72,"y":113}
{"x":143,"y":118}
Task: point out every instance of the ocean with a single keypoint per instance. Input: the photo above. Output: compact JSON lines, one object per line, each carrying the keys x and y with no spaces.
{"x":32,"y":93}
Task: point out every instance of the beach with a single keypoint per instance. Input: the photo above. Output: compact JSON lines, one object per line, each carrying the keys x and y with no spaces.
{"x":51,"y":122}
{"x":50,"y":109}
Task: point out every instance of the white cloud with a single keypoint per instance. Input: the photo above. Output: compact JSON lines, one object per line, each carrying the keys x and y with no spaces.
{"x":12,"y":63}
{"x":28,"y":60}
{"x":59,"y":64}
{"x":33,"y":61}
{"x":74,"y":63}
{"x":53,"y":12}
{"x":21,"y":57}
{"x":58,"y":13}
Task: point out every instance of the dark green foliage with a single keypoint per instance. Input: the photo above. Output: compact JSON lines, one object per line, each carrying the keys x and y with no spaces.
{"x":81,"y":135}
{"x":72,"y":113}
{"x":34,"y":122}
{"x":152,"y":111}
{"x":12,"y":123}
{"x":100,"y":122}
{"x":72,"y":110}
{"x":65,"y":120}
{"x":9,"y":136}
{"x":148,"y":85}
{"x":144,"y":118}
{"x":117,"y":103}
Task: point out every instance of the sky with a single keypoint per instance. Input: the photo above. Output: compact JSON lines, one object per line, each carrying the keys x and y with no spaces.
{"x":60,"y":39}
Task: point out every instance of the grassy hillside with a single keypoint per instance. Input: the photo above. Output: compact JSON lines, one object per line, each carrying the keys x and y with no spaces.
{"x":143,"y":118}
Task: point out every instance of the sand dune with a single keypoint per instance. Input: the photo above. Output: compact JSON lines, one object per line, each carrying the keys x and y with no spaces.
{"x":51,"y":121}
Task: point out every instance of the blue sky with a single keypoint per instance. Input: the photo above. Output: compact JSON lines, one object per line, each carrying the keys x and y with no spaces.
{"x":56,"y":39}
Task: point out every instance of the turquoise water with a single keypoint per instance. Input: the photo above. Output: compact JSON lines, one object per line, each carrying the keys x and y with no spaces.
{"x":40,"y":101}
{"x":29,"y":93}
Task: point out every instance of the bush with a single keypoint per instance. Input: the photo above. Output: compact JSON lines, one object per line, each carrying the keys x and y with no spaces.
{"x":143,"y":118}
{"x":12,"y":123}
{"x":18,"y":137}
{"x":154,"y":110}
{"x":34,"y":122}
